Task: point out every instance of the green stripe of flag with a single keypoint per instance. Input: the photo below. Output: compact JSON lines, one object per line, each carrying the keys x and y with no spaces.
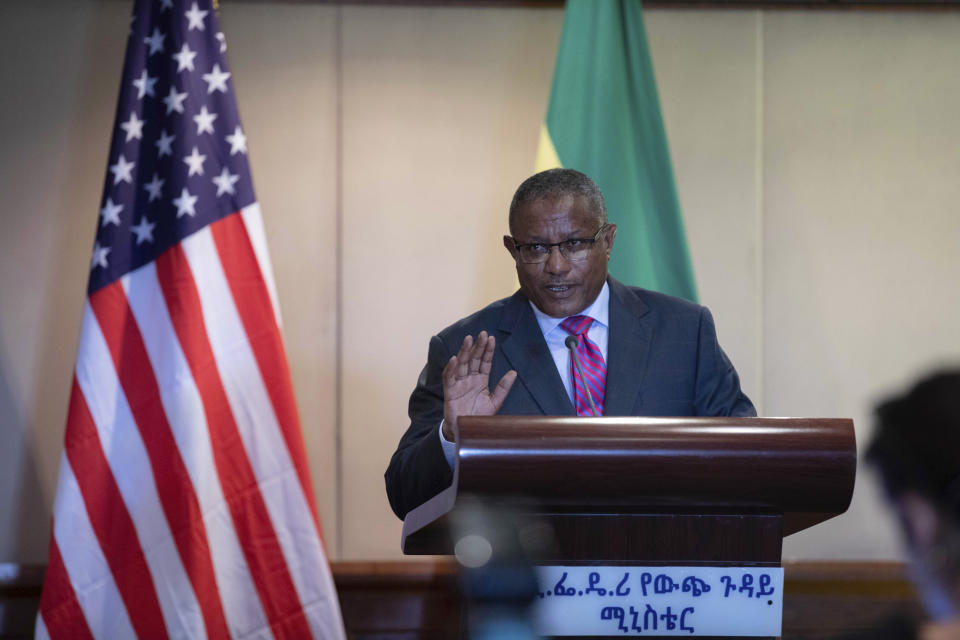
{"x":604,"y":120}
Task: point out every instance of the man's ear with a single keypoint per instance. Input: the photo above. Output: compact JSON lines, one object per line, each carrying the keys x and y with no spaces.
{"x":608,"y":235}
{"x":509,"y":246}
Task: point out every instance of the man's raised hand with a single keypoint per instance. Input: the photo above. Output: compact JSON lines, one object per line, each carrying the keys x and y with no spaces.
{"x":466,"y":383}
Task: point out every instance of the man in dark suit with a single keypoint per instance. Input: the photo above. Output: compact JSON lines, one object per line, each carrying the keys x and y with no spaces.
{"x":643,"y":353}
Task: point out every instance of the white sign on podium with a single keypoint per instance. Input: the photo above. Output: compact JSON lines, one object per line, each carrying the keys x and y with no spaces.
{"x":658,"y":601}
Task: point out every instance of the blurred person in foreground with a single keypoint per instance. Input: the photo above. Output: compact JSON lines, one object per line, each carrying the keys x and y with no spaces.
{"x":916,"y":449}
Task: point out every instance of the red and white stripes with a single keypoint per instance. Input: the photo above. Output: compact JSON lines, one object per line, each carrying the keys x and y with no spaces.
{"x":184,"y":506}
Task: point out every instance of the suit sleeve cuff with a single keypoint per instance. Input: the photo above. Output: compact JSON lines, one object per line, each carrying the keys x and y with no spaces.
{"x":449,"y":448}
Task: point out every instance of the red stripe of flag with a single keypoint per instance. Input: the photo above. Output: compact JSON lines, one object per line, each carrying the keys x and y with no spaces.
{"x":110,"y":519}
{"x":249,"y":514}
{"x":59,"y":607}
{"x":177,"y":496}
{"x":253,"y":303}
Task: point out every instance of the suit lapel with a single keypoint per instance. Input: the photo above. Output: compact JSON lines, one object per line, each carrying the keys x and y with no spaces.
{"x":627,"y":350}
{"x":526,"y":351}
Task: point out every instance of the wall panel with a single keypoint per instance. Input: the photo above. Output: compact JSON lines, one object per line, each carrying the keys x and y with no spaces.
{"x":706,"y":68}
{"x":56,"y":113}
{"x":441,"y":112}
{"x":862,"y":226}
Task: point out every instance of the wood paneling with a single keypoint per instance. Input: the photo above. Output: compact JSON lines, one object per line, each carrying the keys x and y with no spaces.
{"x":407,"y":600}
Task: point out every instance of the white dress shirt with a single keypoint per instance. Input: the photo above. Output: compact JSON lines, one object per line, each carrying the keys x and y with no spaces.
{"x":599,"y":333}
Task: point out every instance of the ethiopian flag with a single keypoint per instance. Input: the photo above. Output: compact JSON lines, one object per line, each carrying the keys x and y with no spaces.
{"x":604,"y":120}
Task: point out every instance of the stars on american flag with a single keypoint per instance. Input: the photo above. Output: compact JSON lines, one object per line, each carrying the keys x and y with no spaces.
{"x":122,"y":170}
{"x":144,"y":230}
{"x":99,"y":257}
{"x":225,"y":182}
{"x":178,"y":160}
{"x":163,"y":144}
{"x":185,"y":203}
{"x":155,"y":41}
{"x":111,"y":213}
{"x":174,"y":101}
{"x":153,"y":187}
{"x":185,"y":58}
{"x":238,"y":141}
{"x":145,"y":85}
{"x":195,"y":162}
{"x":216,"y":80}
{"x":195,"y":18}
{"x":133,"y":127}
{"x":204,"y":120}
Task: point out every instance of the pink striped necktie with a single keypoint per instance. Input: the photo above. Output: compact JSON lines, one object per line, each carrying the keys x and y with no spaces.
{"x":594,"y":368}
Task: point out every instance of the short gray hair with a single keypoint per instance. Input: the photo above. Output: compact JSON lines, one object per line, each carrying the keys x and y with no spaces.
{"x":554,"y":183}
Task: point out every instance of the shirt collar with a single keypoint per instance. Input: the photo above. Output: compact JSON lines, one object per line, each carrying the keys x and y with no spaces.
{"x":599,"y":310}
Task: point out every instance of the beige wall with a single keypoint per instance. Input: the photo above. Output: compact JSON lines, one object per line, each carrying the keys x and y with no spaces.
{"x":816,"y":156}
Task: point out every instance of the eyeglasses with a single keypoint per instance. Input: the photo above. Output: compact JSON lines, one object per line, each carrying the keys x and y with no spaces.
{"x":573,"y":249}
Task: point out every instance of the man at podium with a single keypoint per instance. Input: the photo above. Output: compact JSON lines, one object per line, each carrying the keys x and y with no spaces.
{"x":571,"y":341}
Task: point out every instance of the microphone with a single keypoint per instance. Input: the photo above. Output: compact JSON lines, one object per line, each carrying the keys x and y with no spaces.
{"x":572,"y":343}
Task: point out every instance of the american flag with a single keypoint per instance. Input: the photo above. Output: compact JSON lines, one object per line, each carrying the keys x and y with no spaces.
{"x":184,"y":506}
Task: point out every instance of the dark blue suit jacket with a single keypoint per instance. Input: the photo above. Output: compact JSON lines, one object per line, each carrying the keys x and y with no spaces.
{"x":663,"y":359}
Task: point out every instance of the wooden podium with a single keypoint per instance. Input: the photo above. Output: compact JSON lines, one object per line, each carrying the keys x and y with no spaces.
{"x":680,"y":491}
